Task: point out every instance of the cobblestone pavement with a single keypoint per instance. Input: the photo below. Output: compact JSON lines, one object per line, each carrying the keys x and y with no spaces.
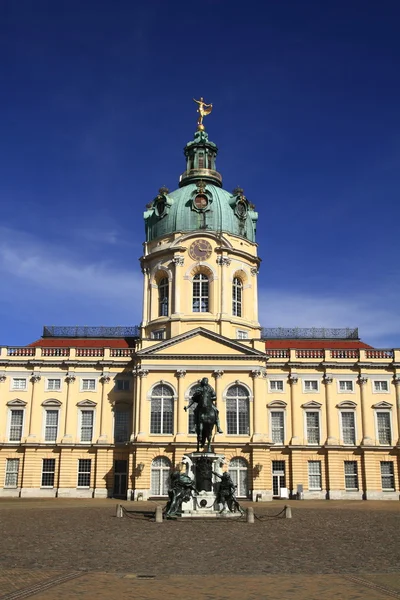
{"x":70,"y":549}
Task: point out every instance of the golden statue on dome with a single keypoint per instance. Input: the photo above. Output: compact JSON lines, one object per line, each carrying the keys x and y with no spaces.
{"x":203,"y":110}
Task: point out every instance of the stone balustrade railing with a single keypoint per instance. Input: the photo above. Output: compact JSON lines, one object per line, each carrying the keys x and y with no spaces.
{"x":277,"y":353}
{"x":379,"y":354}
{"x":90,"y":352}
{"x":55,"y":351}
{"x":310,"y":353}
{"x":124,"y":352}
{"x":21,"y":351}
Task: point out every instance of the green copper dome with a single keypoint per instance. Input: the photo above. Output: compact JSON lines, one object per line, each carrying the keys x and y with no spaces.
{"x":200,"y":203}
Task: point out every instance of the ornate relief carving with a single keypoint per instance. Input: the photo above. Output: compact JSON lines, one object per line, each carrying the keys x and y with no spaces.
{"x":178,"y":261}
{"x":105,"y":378}
{"x":2,"y":378}
{"x":224,"y":261}
{"x":293,"y":378}
{"x":180,"y":373}
{"x":362,"y":379}
{"x":254,"y":271}
{"x":217,"y":374}
{"x":396,"y":380}
{"x":327,"y":379}
{"x":35,"y":377}
{"x":256,"y":373}
{"x":70,"y":378}
{"x":143,"y":373}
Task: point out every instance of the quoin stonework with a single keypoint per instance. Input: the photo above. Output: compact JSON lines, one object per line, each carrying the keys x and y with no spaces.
{"x":99,"y":411}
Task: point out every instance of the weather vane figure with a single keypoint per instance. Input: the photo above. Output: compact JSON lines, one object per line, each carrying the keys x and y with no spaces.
{"x":203,"y":110}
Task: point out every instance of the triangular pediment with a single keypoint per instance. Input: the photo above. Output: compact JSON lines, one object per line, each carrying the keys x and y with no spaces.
{"x":87,"y":403}
{"x":383,"y":404}
{"x":16,"y":402}
{"x":200,"y":342}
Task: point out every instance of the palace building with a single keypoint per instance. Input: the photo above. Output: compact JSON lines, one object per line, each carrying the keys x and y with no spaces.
{"x":100,"y":412}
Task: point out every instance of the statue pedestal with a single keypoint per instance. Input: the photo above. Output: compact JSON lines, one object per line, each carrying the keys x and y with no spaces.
{"x":201,"y":468}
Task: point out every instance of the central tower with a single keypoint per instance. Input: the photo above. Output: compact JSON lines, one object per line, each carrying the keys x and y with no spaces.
{"x":200,"y":261}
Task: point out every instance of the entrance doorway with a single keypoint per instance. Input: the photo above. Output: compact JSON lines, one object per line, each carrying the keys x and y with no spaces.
{"x":278,"y":477}
{"x":120,"y":478}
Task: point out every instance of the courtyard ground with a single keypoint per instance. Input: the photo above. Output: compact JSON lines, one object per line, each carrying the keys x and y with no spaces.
{"x":60,"y":548}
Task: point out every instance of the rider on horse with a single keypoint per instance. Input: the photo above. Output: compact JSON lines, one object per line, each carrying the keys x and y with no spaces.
{"x":205,"y":391}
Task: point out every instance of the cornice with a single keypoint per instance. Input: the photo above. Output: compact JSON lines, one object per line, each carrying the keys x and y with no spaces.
{"x":198,"y":357}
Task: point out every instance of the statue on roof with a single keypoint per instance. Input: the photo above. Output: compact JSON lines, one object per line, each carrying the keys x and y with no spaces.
{"x":203,"y":110}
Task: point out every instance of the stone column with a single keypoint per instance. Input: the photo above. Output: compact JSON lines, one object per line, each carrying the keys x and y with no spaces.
{"x":70,"y":378}
{"x":217,"y":374}
{"x":223,"y":261}
{"x":145,"y":319}
{"x":104,"y":379}
{"x":259,"y":416}
{"x":182,"y":414}
{"x":178,"y":261}
{"x":254,"y":272}
{"x":142,"y":373}
{"x":297,"y":423}
{"x":328,"y":379}
{"x":35,"y":378}
{"x":366,"y":439}
{"x":397,"y":384}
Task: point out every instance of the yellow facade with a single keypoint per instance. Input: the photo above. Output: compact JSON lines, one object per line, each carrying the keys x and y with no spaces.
{"x":93,"y":417}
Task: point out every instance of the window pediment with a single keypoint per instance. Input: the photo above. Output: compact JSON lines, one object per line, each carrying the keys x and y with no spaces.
{"x":383,"y":404}
{"x":346,"y":404}
{"x":16,"y":402}
{"x":87,"y":403}
{"x":51,"y":402}
{"x":277,"y":404}
{"x":312,"y":404}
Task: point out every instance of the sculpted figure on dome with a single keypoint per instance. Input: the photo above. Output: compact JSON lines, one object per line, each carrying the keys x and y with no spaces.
{"x":203,"y":110}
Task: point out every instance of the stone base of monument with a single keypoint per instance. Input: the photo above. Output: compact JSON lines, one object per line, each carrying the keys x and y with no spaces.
{"x":205,"y":470}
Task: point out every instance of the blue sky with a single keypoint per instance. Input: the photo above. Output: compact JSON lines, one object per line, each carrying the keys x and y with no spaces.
{"x":96,"y":107}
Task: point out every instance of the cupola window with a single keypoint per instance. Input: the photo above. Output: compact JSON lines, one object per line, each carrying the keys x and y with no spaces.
{"x":163,"y":297}
{"x":200,"y":293}
{"x":237,"y":293}
{"x":201,"y":201}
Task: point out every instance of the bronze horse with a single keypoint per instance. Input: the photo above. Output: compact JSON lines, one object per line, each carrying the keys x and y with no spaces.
{"x":205,"y":413}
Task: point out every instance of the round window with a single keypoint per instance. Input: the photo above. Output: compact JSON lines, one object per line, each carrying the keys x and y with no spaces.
{"x":201,"y":201}
{"x":241,"y":209}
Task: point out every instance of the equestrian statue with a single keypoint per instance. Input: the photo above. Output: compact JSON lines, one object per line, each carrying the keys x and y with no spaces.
{"x":206,"y":414}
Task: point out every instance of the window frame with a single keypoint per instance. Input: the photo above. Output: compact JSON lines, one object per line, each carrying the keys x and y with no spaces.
{"x":48,"y":472}
{"x":162,"y":398}
{"x":11,"y":409}
{"x":391,"y":475}
{"x":88,"y":409}
{"x":237,"y":297}
{"x":18,"y":389}
{"x":276,"y":391}
{"x":239,"y":335}
{"x":123,"y":388}
{"x":46,"y":409}
{"x":345,"y":391}
{"x":282,"y":411}
{"x":83,"y":472}
{"x":95,"y":379}
{"x":351,"y":489}
{"x":311,"y":391}
{"x":353,"y":412}
{"x":389,"y":412}
{"x":163,"y":303}
{"x":237,"y":398}
{"x":7,"y":472}
{"x":200,"y":298}
{"x":306,"y":412}
{"x":376,"y":381}
{"x":49,"y":389}
{"x":158,"y":334}
{"x":319,"y":462}
{"x":118,"y":410}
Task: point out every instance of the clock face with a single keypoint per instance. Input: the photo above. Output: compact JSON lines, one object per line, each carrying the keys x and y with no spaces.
{"x":200,"y":250}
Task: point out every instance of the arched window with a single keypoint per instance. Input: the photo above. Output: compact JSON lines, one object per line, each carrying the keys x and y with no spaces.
{"x":238,"y":470}
{"x":200,"y":293}
{"x":237,"y":410}
{"x":237,"y":294}
{"x":162,"y":410}
{"x":160,"y":471}
{"x":163,"y":297}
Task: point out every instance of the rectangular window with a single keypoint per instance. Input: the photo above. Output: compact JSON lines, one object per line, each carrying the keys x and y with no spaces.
{"x":16,"y":424}
{"x":11,"y":479}
{"x":350,"y":475}
{"x":158,"y":334}
{"x":201,"y":160}
{"x":48,"y":472}
{"x":348,"y":428}
{"x":122,"y":385}
{"x":54,"y":385}
{"x":314,"y":475}
{"x":277,"y":427}
{"x":87,"y":417}
{"x":276,"y":385}
{"x":310,"y":385}
{"x":19,"y":383}
{"x":346,"y":386}
{"x":121,"y":426}
{"x":381,"y":386}
{"x":241,"y":334}
{"x":88,"y":385}
{"x":84,"y":468}
{"x":51,"y":426}
{"x":384,"y":429}
{"x":387,"y":475}
{"x":312,"y":423}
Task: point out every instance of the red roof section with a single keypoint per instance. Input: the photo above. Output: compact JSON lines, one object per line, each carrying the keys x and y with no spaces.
{"x":312,"y":344}
{"x":82,"y":343}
